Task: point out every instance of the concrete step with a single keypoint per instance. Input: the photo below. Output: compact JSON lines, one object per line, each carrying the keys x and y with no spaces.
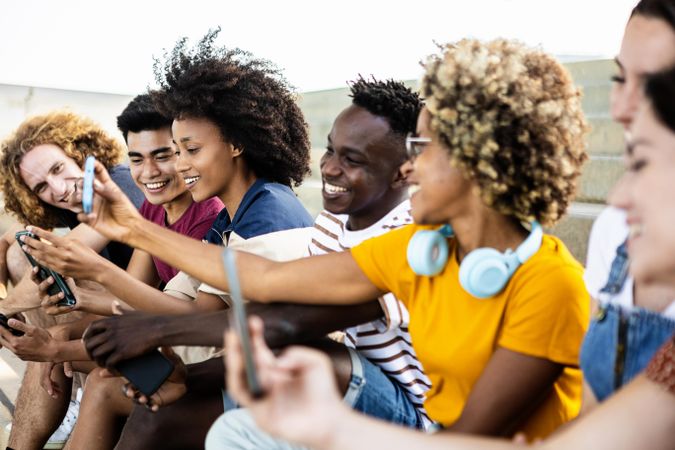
{"x":606,"y":136}
{"x":575,"y":227}
{"x":598,"y":177}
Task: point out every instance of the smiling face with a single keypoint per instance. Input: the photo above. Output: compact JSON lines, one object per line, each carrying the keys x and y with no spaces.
{"x":647,"y":193}
{"x":360,"y":168}
{"x":207,"y":162}
{"x":439,"y":192}
{"x":51,"y":175}
{"x":648,"y":46}
{"x":152,"y":162}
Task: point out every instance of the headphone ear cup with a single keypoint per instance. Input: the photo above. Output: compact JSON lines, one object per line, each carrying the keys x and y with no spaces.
{"x":484,"y":272}
{"x":427,"y":252}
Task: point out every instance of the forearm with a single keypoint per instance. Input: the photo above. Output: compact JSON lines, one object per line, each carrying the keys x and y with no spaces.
{"x":142,"y":296}
{"x":326,"y":279}
{"x":356,"y":431}
{"x":72,"y":350}
{"x":285,"y":323}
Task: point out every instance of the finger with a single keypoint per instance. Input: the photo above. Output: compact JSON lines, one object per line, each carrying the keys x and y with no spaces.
{"x":43,"y":286}
{"x":46,"y":235}
{"x":68,"y":369}
{"x":46,"y":380}
{"x":262,"y":353}
{"x":235,"y":375}
{"x":21,"y":326}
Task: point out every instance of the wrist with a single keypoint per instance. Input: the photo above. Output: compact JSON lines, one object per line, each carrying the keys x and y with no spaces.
{"x":344,"y":423}
{"x":135,"y":229}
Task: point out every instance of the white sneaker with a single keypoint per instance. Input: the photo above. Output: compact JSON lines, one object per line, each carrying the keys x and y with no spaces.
{"x":62,"y":433}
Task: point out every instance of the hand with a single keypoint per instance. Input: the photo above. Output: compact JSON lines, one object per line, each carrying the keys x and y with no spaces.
{"x":46,"y":377}
{"x":67,"y":256}
{"x":37,"y":344}
{"x":113,"y":213}
{"x":301,"y":401}
{"x":49,"y":303}
{"x":115,"y":339}
{"x":170,"y":391}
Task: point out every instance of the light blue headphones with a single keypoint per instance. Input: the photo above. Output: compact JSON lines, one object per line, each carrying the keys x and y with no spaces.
{"x":484,"y":272}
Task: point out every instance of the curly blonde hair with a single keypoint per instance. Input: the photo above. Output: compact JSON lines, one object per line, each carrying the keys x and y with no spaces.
{"x":511,"y":119}
{"x":77,"y":136}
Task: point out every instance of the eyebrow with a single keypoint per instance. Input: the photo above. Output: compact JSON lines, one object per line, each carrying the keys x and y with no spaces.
{"x":152,"y":153}
{"x":41,"y":183}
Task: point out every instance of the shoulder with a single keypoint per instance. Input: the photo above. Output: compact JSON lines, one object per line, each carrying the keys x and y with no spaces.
{"x":121,"y":175}
{"x":267,"y":208}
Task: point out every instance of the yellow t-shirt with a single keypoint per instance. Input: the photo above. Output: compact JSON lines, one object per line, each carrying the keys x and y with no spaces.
{"x":543,"y":311}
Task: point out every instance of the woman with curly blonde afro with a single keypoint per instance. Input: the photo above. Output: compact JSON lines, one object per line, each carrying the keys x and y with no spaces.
{"x":498,"y":322}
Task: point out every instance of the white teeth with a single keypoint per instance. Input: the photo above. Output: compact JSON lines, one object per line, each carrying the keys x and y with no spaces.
{"x":190,"y":180}
{"x":156,"y":185}
{"x":634,"y":230}
{"x":412,"y":189}
{"x":331,"y":189}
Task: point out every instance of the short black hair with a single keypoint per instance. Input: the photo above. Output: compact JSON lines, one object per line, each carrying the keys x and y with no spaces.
{"x":247,"y":98}
{"x":389,"y":99}
{"x":656,"y":9}
{"x":660,"y":90}
{"x":140,"y":115}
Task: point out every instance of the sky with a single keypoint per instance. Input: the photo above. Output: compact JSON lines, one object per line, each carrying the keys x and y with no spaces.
{"x":107,"y":46}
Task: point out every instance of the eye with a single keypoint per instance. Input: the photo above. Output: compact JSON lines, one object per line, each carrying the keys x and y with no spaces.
{"x":637,"y":165}
{"x":163,"y":157}
{"x":136,"y":160}
{"x":192,"y":150}
{"x":618,"y":79}
{"x":57,"y":168}
{"x":353,"y":162}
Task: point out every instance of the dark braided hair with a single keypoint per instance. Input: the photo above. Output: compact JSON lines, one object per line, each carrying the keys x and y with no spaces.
{"x":140,"y":115}
{"x":389,"y":99}
{"x":247,"y":98}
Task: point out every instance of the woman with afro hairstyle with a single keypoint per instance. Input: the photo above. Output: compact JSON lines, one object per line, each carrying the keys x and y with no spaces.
{"x":240,"y":137}
{"x":500,"y":144}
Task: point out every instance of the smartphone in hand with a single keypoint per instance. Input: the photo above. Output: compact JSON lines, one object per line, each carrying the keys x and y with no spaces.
{"x":88,"y":185}
{"x":59,"y":284}
{"x":238,"y":320}
{"x":146,"y":372}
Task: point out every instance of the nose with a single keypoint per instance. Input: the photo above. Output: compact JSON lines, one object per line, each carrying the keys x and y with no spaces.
{"x":625,"y":99}
{"x":57,"y":185}
{"x":407,"y":168}
{"x":150,"y":169}
{"x":330,"y":165}
{"x":620,"y":195}
{"x":182,"y":165}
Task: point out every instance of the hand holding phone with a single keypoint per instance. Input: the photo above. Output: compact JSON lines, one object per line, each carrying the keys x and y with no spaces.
{"x":238,"y":320}
{"x":88,"y":185}
{"x":4,"y":324}
{"x":59,"y":284}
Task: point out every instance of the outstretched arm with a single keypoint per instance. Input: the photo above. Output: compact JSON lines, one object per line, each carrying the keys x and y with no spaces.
{"x":302,"y":405}
{"x":117,"y":338}
{"x":330,"y":279}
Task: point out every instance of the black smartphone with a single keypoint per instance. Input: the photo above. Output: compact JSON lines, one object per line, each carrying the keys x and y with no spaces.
{"x":146,"y":372}
{"x":238,"y":320}
{"x":59,"y":284}
{"x":3,"y":323}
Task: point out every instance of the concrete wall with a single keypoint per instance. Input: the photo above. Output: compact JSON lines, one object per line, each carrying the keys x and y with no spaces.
{"x":321,"y":107}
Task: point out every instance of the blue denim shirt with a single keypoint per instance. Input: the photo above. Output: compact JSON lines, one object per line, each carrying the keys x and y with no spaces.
{"x":619,"y":343}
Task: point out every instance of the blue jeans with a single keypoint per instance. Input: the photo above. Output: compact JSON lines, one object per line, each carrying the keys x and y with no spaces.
{"x":370,"y":391}
{"x":619,"y":344}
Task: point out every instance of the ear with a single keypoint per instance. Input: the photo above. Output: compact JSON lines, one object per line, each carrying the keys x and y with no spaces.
{"x":236,"y":151}
{"x":400,"y":180}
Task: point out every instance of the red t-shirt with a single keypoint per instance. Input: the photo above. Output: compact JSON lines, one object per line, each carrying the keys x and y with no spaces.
{"x":194,"y":222}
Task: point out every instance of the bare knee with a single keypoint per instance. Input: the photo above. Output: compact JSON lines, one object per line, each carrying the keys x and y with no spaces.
{"x":17,"y":264}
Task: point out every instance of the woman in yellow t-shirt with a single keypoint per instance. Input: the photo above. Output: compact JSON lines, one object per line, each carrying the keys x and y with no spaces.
{"x":499,"y":144}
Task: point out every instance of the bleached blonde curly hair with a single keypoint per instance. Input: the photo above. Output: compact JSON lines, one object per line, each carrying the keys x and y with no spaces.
{"x":511,"y":118}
